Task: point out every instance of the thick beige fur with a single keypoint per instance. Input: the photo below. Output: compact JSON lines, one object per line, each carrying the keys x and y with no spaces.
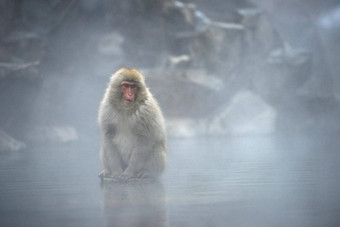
{"x":134,"y":137}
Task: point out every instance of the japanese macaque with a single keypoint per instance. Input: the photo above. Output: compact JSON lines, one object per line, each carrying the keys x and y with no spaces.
{"x":133,"y":129}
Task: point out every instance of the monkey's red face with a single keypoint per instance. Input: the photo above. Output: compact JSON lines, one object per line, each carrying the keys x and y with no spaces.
{"x":129,"y":90}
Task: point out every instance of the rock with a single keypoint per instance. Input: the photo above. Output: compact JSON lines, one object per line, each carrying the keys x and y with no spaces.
{"x":288,"y":55}
{"x":44,"y":16}
{"x":283,"y":74}
{"x":90,"y":5}
{"x":247,"y":113}
{"x":317,"y":87}
{"x":27,"y":70}
{"x":25,"y":45}
{"x":58,"y":134}
{"x":111,"y":44}
{"x":19,"y":86}
{"x":201,"y":78}
{"x":7,"y":8}
{"x":185,"y":127}
{"x":259,"y":35}
{"x":181,"y":61}
{"x":329,"y":32}
{"x":185,"y":93}
{"x":8,"y":143}
{"x":217,"y":48}
{"x":109,"y":53}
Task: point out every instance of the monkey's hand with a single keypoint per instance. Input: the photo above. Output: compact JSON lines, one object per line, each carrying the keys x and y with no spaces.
{"x":104,"y":173}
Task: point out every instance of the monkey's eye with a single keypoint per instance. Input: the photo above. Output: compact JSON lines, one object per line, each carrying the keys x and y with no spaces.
{"x":133,"y":86}
{"x":126,"y":85}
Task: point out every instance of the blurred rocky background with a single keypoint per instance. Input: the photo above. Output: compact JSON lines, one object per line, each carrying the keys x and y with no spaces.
{"x":219,"y":67}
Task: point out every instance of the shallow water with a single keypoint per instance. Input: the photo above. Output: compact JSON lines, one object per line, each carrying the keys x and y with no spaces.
{"x":221,"y":181}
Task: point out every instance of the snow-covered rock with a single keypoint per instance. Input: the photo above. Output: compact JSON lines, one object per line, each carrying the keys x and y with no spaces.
{"x":247,"y":113}
{"x":8,"y":143}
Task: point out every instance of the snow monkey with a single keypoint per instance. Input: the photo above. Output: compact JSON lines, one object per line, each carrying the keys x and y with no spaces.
{"x":134,"y":136}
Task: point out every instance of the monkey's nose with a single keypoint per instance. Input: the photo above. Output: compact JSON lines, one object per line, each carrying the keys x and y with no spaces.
{"x":130,"y":96}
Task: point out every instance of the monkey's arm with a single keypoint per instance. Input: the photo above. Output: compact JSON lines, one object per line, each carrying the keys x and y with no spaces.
{"x":110,"y":155}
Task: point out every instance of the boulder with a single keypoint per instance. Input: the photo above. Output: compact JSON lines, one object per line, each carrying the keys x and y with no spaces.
{"x":185,"y":93}
{"x":185,"y":127}
{"x":247,"y":113}
{"x":57,"y":134}
{"x":8,"y":143}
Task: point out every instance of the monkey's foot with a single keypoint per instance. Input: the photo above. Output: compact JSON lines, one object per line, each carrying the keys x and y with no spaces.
{"x":138,"y":177}
{"x":106,"y":175}
{"x":143,"y":175}
{"x":126,"y":177}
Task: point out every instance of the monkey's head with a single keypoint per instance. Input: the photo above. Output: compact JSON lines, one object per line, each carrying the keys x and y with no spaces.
{"x":127,"y":86}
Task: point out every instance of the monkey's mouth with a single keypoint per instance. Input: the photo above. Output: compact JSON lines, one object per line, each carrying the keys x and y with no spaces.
{"x":128,"y":101}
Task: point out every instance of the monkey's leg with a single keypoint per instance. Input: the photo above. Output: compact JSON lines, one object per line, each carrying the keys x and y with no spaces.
{"x":138,"y":158}
{"x":154,"y":166}
{"x":147,"y":161}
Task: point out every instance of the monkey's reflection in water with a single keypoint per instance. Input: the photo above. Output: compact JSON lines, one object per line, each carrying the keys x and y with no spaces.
{"x":135,"y":204}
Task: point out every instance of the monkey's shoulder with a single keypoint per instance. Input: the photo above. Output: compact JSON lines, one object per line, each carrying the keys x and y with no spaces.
{"x":150,"y":107}
{"x":150,"y":113}
{"x":150,"y":121}
{"x":107,"y":115}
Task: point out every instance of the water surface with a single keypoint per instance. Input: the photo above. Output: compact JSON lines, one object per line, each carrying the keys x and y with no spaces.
{"x":286,"y":180}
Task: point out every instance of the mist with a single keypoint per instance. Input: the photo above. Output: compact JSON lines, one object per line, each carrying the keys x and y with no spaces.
{"x":249,"y":90}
